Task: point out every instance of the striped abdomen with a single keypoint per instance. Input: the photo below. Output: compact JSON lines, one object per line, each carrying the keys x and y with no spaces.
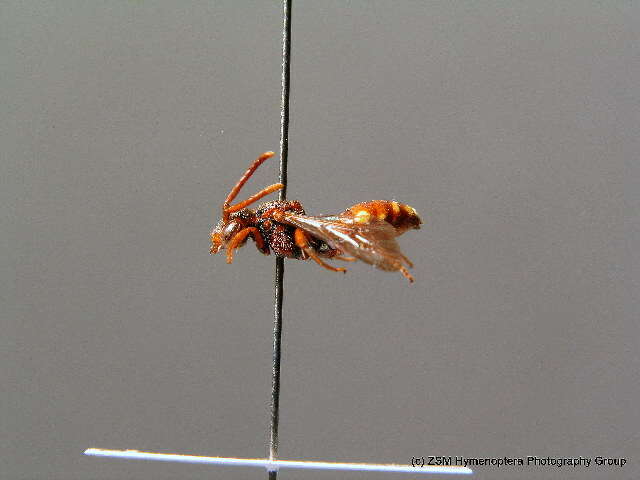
{"x":401,"y":216}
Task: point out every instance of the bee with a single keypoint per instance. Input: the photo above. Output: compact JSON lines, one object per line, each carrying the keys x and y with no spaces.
{"x":366,"y":231}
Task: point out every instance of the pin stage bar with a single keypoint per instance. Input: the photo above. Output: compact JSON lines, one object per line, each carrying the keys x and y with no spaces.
{"x":273,"y":465}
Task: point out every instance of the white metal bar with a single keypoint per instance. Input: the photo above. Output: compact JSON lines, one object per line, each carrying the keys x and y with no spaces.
{"x":275,"y":464}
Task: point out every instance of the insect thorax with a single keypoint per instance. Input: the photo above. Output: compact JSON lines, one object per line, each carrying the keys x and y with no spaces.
{"x":277,"y":235}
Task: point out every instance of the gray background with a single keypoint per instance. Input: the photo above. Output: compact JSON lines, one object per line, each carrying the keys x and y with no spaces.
{"x":506,"y":124}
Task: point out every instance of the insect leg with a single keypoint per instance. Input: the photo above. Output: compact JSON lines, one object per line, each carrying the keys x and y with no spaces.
{"x":261,"y":245}
{"x":406,"y":273}
{"x":302,"y":241}
{"x":241,"y":237}
{"x":254,"y":198}
{"x":236,"y":188}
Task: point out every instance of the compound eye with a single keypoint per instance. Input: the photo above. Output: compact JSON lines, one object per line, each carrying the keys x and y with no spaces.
{"x":230,"y":230}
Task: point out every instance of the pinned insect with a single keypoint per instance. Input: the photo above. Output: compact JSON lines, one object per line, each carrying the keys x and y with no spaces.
{"x":366,"y":231}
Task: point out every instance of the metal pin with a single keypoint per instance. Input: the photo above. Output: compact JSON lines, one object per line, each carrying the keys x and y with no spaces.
{"x":279,"y":272}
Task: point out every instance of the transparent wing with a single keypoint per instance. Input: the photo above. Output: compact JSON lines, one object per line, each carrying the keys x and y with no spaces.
{"x":373,"y":242}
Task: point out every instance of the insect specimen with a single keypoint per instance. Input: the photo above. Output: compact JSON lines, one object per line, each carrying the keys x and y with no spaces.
{"x":366,"y":231}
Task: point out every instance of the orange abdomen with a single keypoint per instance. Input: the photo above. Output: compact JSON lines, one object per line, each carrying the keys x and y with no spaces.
{"x":401,"y":216}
